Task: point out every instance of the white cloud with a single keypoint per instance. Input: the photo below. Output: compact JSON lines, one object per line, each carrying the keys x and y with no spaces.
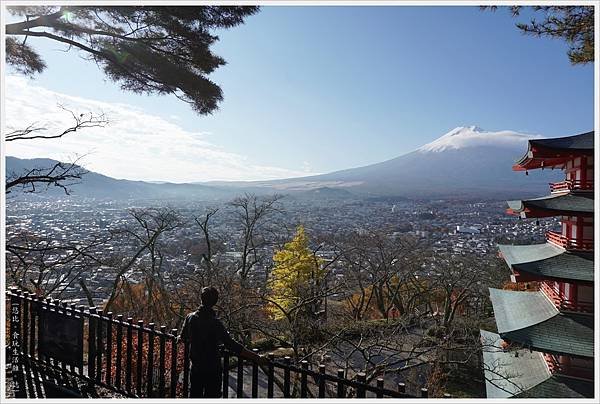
{"x":135,"y":145}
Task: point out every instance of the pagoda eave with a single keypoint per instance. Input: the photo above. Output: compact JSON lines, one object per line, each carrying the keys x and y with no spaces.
{"x":565,"y":204}
{"x":533,"y":163}
{"x":539,"y":262}
{"x":555,"y":152}
{"x":499,"y":363}
{"x":521,"y":373}
{"x":530,"y":320}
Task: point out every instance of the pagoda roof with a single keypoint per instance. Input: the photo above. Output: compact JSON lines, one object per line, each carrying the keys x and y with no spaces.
{"x":555,"y":152}
{"x":549,"y":261}
{"x":560,"y":386}
{"x":522,"y":373}
{"x":531,"y":320}
{"x":508,"y":373}
{"x":554,"y":205}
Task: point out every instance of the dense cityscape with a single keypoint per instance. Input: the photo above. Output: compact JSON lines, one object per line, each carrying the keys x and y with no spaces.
{"x":457,"y":227}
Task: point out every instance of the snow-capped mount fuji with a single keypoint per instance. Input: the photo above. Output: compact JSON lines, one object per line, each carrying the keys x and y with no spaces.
{"x":474,"y":136}
{"x":466,"y":161}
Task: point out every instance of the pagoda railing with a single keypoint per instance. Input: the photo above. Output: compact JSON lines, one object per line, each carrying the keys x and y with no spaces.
{"x":568,"y":185}
{"x":569,"y":243}
{"x":562,"y":303}
{"x":135,"y":359}
{"x":584,"y":371}
{"x":551,"y":362}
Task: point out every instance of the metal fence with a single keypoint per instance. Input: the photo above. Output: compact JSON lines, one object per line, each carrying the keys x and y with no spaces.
{"x":135,"y":359}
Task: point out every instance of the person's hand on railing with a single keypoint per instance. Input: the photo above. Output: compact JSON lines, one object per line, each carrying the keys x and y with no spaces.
{"x":254,"y":357}
{"x":263,"y":360}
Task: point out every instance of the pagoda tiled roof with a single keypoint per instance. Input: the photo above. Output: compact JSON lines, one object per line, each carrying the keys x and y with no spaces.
{"x":560,"y":386}
{"x":522,"y":373}
{"x":555,"y":151}
{"x":552,"y":205}
{"x":549,"y":261}
{"x":583,"y":141}
{"x":531,"y":320}
{"x":511,"y":372}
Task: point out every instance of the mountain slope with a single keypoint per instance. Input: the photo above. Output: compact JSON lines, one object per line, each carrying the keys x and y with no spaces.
{"x":465,"y":161}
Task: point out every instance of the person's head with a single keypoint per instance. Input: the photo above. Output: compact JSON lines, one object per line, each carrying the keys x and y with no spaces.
{"x":209,"y":296}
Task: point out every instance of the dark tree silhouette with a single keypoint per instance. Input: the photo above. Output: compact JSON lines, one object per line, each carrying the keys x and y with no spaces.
{"x":574,"y":24}
{"x":150,"y":50}
{"x":60,"y":174}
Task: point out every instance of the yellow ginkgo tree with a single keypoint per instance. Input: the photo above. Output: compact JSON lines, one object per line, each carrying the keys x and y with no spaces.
{"x":296,"y":280}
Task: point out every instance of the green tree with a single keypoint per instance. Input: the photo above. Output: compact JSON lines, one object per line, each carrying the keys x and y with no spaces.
{"x":149,"y":50}
{"x":296,"y":279}
{"x":574,"y":24}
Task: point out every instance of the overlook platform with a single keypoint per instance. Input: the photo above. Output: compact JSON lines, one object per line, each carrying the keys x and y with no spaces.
{"x":61,"y":351}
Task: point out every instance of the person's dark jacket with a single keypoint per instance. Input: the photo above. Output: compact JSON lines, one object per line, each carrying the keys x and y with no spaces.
{"x":206,"y":332}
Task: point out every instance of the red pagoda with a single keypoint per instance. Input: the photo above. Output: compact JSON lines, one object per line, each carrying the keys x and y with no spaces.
{"x":545,"y":342}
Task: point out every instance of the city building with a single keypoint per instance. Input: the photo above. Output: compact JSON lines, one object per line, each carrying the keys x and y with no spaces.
{"x":545,"y":342}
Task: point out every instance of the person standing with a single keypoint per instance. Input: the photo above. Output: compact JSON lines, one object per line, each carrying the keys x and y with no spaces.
{"x":205,"y":332}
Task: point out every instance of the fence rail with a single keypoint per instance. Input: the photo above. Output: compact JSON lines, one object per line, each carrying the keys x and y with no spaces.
{"x":135,"y":359}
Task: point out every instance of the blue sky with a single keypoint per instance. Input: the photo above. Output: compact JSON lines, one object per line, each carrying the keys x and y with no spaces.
{"x":317,"y":89}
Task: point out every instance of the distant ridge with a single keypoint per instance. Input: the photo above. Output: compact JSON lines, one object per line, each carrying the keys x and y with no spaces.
{"x":465,"y":162}
{"x":94,"y":185}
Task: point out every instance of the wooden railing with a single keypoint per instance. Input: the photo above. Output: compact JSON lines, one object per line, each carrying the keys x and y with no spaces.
{"x":569,"y":185}
{"x":562,"y":303}
{"x":569,"y":243}
{"x":552,"y":363}
{"x":569,"y":368}
{"x":135,"y":359}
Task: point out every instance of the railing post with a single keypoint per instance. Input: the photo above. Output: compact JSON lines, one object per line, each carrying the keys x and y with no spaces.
{"x":139,"y":358}
{"x":361,"y":378}
{"x":150,"y":367}
{"x":303,"y":380}
{"x":99,"y":333}
{"x":61,"y":307}
{"x":161,"y":361}
{"x":255,"y":377}
{"x":225,"y":373}
{"x":270,"y":376}
{"x":186,"y":369}
{"x":109,"y":347}
{"x":174,"y":373}
{"x":341,"y":387}
{"x":75,"y":312}
{"x":380,"y":388}
{"x":321,"y":381}
{"x":46,"y":304}
{"x":286,"y":377}
{"x":129,"y":354}
{"x":424,"y":392}
{"x":240,"y":377}
{"x":92,"y":344}
{"x":119,"y":358}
